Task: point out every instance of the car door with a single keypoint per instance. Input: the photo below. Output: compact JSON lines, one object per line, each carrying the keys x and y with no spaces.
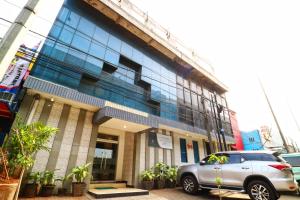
{"x":235,"y":170}
{"x":207,"y":172}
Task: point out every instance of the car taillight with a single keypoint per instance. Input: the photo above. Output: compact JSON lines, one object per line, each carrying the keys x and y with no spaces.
{"x":281,"y":166}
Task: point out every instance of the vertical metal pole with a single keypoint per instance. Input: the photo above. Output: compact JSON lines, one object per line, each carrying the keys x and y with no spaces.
{"x":275,"y":119}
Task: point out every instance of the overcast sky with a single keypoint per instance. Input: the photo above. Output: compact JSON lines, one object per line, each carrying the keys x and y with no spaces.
{"x":243,"y":39}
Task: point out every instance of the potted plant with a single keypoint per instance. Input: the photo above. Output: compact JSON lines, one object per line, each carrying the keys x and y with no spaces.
{"x":171,"y":176}
{"x":147,"y":177}
{"x":21,"y":144}
{"x":31,"y":187}
{"x":62,"y":191}
{"x":79,"y":173}
{"x":160,"y":174}
{"x":47,"y":181}
{"x":218,"y":160}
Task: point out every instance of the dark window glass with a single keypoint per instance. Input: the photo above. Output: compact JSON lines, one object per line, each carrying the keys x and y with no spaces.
{"x":114,"y":43}
{"x":183,"y":150}
{"x":101,"y":35}
{"x":72,"y":20}
{"x":81,"y":42}
{"x":59,"y":52}
{"x":86,"y":27}
{"x":93,"y":65}
{"x":234,"y":158}
{"x":75,"y":57}
{"x":189,"y":116}
{"x":294,"y":161}
{"x":196,"y":151}
{"x":260,"y":157}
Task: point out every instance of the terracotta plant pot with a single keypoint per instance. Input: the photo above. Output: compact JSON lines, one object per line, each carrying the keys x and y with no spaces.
{"x":30,"y":190}
{"x":8,"y":190}
{"x":147,"y":185}
{"x":47,"y":190}
{"x":78,"y":189}
{"x":159,"y":184}
{"x":170,"y":184}
{"x":62,"y":191}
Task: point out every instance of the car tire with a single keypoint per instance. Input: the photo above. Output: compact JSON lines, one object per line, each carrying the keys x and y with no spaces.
{"x":261,"y":190}
{"x":189,"y":184}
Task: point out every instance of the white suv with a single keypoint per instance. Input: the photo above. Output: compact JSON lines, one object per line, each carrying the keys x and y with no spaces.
{"x":261,"y":174}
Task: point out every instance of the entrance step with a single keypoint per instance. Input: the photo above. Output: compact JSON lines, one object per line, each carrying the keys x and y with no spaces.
{"x":107,"y":184}
{"x":117,"y":192}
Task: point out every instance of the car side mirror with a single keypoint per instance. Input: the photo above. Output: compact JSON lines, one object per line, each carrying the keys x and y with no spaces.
{"x":243,"y":160}
{"x":202,"y":162}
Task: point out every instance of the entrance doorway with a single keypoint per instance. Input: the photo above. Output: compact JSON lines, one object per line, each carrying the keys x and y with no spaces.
{"x":105,"y":158}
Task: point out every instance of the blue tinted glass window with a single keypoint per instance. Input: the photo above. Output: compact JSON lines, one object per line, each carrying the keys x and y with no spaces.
{"x":196,"y":151}
{"x":86,"y":27}
{"x":130,"y":76}
{"x":55,"y":30}
{"x":93,"y":65}
{"x":137,"y":56}
{"x":112,"y":57}
{"x":63,"y":14}
{"x":114,"y":43}
{"x":59,"y":52}
{"x":126,"y":50}
{"x":97,"y":50}
{"x":146,"y":74}
{"x":72,"y":20}
{"x":101,"y":36}
{"x":75,"y":57}
{"x":81,"y":42}
{"x":183,"y":150}
{"x":129,"y":102}
{"x":48,"y":46}
{"x":66,"y":35}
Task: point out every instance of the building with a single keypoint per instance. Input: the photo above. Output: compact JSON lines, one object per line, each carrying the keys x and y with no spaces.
{"x":236,"y":131}
{"x":123,"y":93}
{"x":252,"y":140}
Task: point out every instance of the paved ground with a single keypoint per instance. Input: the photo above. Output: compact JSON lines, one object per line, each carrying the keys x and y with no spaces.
{"x":172,"y":194}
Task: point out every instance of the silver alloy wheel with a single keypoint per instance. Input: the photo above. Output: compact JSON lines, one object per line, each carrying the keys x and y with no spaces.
{"x":260,"y":192}
{"x":188,"y":185}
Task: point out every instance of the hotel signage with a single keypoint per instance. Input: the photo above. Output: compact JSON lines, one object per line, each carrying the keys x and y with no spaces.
{"x":160,"y":140}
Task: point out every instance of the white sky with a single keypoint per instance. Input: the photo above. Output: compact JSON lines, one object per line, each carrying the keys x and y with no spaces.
{"x":243,"y":39}
{"x":240,"y":38}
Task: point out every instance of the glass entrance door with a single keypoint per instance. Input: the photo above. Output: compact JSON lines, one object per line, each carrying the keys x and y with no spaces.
{"x":105,"y":158}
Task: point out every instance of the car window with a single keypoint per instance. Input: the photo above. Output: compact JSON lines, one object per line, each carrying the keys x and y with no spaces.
{"x":233,"y":158}
{"x":209,"y":163}
{"x":294,"y":161}
{"x":261,"y":157}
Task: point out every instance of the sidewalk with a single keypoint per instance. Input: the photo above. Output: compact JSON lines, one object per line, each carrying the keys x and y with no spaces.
{"x":170,"y":194}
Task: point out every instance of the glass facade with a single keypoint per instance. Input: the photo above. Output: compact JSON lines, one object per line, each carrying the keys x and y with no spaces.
{"x":87,"y":55}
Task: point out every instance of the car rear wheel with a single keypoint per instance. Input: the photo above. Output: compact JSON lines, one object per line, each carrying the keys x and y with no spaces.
{"x":260,"y":190}
{"x":190,"y":184}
